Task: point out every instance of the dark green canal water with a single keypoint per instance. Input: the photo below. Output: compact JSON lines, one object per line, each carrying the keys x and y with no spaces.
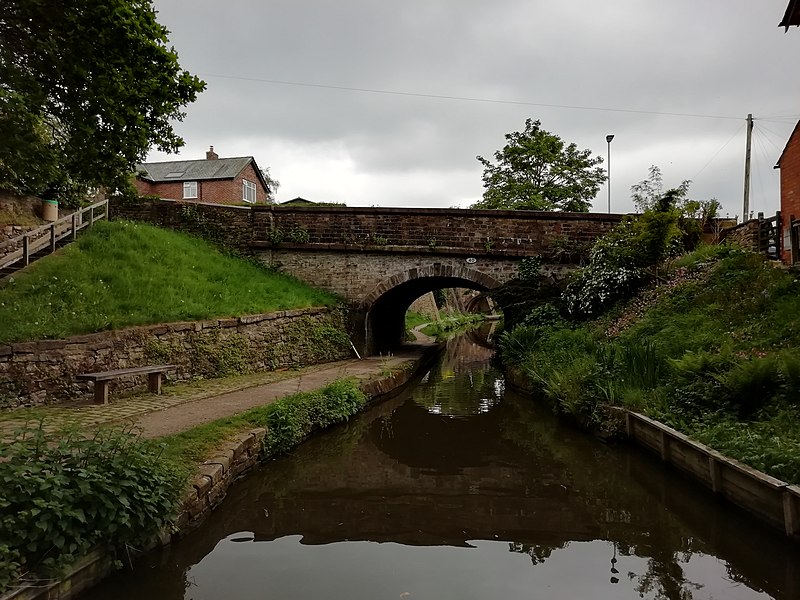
{"x":462,"y":489}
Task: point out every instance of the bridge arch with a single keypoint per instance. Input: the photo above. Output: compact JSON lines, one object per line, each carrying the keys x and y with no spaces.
{"x":383,"y":309}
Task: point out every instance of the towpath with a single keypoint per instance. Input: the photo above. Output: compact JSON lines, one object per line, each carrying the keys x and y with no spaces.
{"x":186,"y":405}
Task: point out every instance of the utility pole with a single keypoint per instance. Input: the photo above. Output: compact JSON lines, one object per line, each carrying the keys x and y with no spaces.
{"x":746,"y":210}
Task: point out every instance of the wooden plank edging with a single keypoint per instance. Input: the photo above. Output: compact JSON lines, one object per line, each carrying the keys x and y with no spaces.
{"x":768,"y":498}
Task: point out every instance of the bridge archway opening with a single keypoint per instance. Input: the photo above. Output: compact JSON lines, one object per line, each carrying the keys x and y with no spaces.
{"x":385,"y":309}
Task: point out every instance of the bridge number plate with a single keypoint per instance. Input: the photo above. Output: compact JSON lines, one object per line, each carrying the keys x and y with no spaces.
{"x":471,"y":260}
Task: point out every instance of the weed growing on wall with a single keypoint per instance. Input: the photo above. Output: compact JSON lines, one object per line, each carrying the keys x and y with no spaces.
{"x":211,"y":355}
{"x":60,"y":495}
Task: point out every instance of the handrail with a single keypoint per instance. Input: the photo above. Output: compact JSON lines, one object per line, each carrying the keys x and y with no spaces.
{"x":34,"y":240}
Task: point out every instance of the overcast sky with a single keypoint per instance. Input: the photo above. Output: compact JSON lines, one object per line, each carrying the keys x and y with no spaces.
{"x":289,"y":83}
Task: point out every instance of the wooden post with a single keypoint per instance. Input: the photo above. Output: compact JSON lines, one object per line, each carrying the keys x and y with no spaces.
{"x":91,"y":215}
{"x":74,"y":226}
{"x":52,"y":238}
{"x":664,"y":446}
{"x":26,"y":255}
{"x":715,"y":473}
{"x":790,"y":516}
{"x":747,"y":168}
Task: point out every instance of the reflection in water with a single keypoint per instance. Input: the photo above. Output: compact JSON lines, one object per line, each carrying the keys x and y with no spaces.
{"x":460,"y":489}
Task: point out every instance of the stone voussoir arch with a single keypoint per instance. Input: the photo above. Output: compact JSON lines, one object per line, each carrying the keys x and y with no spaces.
{"x":436,"y":270}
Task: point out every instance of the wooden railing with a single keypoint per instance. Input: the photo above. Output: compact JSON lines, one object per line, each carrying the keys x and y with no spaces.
{"x":21,"y":248}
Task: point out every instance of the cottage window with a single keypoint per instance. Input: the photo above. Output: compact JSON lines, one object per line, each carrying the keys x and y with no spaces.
{"x":248,"y":191}
{"x":190,"y":189}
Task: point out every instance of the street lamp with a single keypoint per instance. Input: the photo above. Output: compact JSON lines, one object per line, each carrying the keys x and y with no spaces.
{"x":608,"y":169}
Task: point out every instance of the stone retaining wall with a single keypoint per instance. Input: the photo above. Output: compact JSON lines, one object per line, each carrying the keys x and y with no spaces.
{"x":43,"y":372}
{"x":744,"y":234}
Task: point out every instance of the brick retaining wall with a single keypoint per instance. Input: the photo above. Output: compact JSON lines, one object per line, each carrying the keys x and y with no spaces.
{"x":43,"y":372}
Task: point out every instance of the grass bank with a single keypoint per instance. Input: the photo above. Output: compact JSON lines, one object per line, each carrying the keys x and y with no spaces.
{"x":712,"y":351}
{"x":121,"y":274}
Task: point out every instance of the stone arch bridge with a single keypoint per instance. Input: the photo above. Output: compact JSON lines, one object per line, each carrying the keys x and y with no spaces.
{"x":381,"y":259}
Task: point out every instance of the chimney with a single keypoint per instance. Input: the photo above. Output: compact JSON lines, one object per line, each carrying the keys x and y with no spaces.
{"x":211,"y":155}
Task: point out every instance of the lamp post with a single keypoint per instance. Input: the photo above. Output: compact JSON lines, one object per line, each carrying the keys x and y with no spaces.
{"x":608,"y":169}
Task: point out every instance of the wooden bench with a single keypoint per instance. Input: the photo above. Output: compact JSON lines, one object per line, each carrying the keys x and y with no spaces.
{"x":102,"y":379}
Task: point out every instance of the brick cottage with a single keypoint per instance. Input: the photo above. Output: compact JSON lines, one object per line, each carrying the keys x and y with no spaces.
{"x":214,"y":180}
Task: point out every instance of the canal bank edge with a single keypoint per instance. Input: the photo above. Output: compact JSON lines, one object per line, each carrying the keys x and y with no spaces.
{"x":771,"y":500}
{"x":209,"y":487}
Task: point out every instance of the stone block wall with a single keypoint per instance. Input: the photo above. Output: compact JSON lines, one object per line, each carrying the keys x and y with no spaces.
{"x":356,"y":274}
{"x":744,"y":234}
{"x":43,"y":372}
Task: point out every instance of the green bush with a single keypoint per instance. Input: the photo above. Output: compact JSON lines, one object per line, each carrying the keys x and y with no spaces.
{"x":290,"y":420}
{"x":62,"y":494}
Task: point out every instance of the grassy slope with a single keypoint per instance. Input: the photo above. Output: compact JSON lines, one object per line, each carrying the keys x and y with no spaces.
{"x":713,"y":354}
{"x":121,"y":274}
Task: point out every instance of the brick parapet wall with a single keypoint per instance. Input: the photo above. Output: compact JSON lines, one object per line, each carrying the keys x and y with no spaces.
{"x":232,"y":225}
{"x":43,"y":372}
{"x":558,"y":237}
{"x":443,"y":231}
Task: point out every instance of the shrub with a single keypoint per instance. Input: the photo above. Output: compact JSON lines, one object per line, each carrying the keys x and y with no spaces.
{"x":61,"y":495}
{"x":290,"y":420}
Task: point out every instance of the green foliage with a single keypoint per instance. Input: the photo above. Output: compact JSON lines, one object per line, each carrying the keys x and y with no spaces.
{"x":298,"y":235}
{"x":121,"y":274}
{"x":276,"y":235}
{"x":62,"y":494}
{"x":212,"y":356}
{"x":623,"y":260}
{"x":88,"y":87}
{"x":714,"y":357}
{"x":528,"y":268}
{"x":454,"y":322}
{"x":536,"y":170}
{"x":292,"y":419}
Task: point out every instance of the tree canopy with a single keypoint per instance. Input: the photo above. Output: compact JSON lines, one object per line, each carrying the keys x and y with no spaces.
{"x":536,"y":170}
{"x":86,"y":88}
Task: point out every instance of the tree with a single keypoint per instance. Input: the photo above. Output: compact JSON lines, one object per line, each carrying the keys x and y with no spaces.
{"x":537,"y":171}
{"x":648,"y":192}
{"x":86,"y":88}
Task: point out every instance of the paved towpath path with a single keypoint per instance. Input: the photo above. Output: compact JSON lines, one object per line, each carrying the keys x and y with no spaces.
{"x":186,"y":405}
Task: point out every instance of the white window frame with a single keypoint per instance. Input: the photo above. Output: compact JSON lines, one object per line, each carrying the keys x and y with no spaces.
{"x":249,"y":191}
{"x":189,"y":189}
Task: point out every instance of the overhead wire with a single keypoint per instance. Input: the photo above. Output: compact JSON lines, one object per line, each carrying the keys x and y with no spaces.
{"x":735,"y":133}
{"x":464,"y":98}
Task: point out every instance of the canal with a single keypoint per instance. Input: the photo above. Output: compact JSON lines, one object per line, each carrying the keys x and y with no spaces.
{"x":460,"y":488}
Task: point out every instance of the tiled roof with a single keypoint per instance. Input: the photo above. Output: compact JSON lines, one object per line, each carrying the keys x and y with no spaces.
{"x":194,"y":170}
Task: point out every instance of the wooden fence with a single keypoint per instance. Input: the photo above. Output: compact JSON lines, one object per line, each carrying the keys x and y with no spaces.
{"x":17,"y":252}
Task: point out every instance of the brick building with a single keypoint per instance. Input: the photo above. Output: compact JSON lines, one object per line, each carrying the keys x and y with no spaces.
{"x":216,"y":180}
{"x":789,"y":164}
